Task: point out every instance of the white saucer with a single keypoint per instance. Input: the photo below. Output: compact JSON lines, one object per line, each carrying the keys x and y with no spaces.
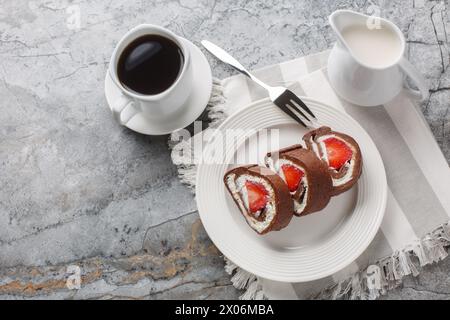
{"x":193,"y":108}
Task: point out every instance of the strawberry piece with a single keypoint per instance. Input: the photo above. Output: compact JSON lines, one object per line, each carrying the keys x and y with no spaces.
{"x":293,"y":176}
{"x":257,"y":196}
{"x":338,"y":153}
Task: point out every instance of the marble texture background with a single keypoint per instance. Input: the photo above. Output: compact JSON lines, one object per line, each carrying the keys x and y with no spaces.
{"x":78,"y":189}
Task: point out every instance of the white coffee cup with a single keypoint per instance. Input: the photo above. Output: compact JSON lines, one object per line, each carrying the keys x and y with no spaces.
{"x":151,"y":106}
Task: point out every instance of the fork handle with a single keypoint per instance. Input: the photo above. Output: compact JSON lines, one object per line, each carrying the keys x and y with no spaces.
{"x":223,"y":56}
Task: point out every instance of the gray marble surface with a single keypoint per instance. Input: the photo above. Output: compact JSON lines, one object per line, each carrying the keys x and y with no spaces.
{"x":78,"y":189}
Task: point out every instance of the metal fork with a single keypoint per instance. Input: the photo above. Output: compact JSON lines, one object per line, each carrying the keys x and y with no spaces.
{"x":282,"y":97}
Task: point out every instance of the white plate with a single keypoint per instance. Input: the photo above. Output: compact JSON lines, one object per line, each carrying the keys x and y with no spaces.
{"x":311,"y":247}
{"x":187,"y":114}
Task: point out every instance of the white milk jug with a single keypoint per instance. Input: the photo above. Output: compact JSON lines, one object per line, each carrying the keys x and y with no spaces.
{"x":366,"y":65}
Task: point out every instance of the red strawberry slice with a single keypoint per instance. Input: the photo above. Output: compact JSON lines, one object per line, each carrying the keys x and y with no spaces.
{"x":257,"y":196}
{"x":338,"y":153}
{"x":293,"y":176}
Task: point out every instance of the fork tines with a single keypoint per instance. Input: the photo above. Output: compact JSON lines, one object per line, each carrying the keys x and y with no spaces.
{"x":293,"y":106}
{"x":299,"y":102}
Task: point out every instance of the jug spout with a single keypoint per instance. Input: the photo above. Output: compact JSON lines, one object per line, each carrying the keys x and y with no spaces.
{"x":343,"y":19}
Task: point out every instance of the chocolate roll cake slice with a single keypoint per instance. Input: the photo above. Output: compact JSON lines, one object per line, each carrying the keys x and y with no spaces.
{"x":340,"y":152}
{"x":306,"y":176}
{"x":262,"y":197}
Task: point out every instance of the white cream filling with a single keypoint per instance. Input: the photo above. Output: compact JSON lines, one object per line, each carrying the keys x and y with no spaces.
{"x":276,"y":166}
{"x":316,"y":150}
{"x":345,"y":178}
{"x":349,"y":165}
{"x":239,"y":192}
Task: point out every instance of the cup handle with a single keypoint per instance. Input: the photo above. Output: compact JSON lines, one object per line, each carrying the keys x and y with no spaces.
{"x":416,"y":77}
{"x":118,"y":108}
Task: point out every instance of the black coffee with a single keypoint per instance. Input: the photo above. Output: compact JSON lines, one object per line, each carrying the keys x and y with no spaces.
{"x":150,"y":64}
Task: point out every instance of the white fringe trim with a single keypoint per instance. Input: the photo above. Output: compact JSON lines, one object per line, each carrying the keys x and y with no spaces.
{"x":242,"y":279}
{"x":370,"y":285}
{"x":375,"y":280}
{"x":216,"y":114}
{"x":217,"y":104}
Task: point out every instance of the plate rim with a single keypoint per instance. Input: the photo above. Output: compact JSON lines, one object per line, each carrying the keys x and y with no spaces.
{"x":337,"y":267}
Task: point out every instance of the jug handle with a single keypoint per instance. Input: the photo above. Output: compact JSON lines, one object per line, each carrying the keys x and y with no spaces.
{"x":416,"y":77}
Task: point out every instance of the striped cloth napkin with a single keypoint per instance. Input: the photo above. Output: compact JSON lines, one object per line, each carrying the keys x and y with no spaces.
{"x":415,"y":230}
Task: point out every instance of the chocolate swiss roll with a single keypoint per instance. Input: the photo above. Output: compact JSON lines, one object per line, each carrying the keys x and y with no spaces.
{"x":262,"y":197}
{"x":340,"y":152}
{"x":306,"y":176}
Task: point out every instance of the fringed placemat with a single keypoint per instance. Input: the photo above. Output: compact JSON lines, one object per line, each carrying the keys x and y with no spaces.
{"x":415,"y":231}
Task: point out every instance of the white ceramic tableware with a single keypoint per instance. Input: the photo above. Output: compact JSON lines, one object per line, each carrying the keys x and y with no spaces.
{"x":159,"y":105}
{"x":310,"y":247}
{"x":186,"y":114}
{"x":366,"y":65}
